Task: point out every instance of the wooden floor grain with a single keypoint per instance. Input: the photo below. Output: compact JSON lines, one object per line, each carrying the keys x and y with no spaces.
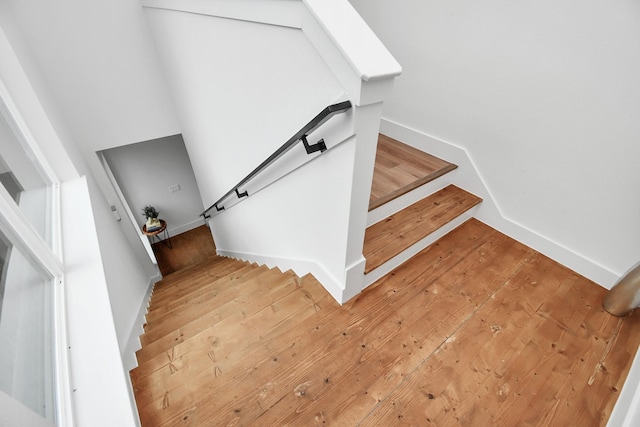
{"x":400,"y":168}
{"x":186,"y":249}
{"x":477,"y":330}
{"x":394,"y":234}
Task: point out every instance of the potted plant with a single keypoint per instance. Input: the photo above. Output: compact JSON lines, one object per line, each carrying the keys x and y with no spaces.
{"x":151,"y":214}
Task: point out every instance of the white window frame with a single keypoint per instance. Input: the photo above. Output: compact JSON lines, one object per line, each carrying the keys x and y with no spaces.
{"x":23,"y":236}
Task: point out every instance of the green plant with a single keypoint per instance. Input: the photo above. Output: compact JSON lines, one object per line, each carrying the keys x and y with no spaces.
{"x":150,"y":212}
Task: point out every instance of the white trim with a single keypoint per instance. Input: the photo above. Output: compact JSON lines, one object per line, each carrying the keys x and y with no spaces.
{"x":414,"y":249}
{"x":284,"y":13}
{"x":129,"y":359}
{"x":93,"y":339}
{"x":354,"y":280}
{"x":365,"y":53}
{"x":626,"y":412}
{"x":469,"y":178}
{"x":298,"y":266}
{"x":123,"y":202}
{"x":17,"y":228}
{"x":11,"y":113}
{"x":22,"y":234}
{"x":396,"y":205}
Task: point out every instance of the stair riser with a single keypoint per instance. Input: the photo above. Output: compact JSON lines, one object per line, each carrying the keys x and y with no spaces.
{"x":406,"y":200}
{"x":408,"y":253}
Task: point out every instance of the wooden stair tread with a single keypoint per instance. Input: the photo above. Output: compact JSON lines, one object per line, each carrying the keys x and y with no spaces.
{"x":400,"y":168}
{"x":215,"y":286}
{"x":202,"y":312}
{"x":391,"y":236}
{"x":172,"y":286}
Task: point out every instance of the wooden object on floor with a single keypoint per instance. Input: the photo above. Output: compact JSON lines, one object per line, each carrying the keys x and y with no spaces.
{"x":475,"y":330}
{"x":400,"y":168}
{"x":624,"y":296}
{"x":188,"y":248}
{"x":389,"y":237}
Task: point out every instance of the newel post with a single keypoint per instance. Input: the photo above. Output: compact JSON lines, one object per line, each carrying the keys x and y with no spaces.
{"x":625,"y":294}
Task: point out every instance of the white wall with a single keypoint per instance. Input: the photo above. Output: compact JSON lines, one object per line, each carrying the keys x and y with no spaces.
{"x":95,"y":84}
{"x":545,"y":98}
{"x":146,"y":170}
{"x":240,"y":101}
{"x":126,"y":280}
{"x":244,"y":80}
{"x":99,"y":63}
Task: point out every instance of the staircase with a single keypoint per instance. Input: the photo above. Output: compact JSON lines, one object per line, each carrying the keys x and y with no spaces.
{"x":406,"y":222}
{"x":191,"y":309}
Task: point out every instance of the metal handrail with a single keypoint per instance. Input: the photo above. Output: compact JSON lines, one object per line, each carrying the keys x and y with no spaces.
{"x":300,"y":136}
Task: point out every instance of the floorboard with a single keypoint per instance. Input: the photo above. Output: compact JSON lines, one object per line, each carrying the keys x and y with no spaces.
{"x":190,"y":248}
{"x":400,"y":168}
{"x":476,"y":330}
{"x":389,"y":237}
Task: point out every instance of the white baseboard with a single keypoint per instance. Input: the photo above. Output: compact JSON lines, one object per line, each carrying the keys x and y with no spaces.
{"x":129,"y":359}
{"x":626,"y":412}
{"x":300,"y":267}
{"x":469,"y":178}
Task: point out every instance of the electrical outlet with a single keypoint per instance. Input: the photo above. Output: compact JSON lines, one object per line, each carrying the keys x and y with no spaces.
{"x":174,"y":188}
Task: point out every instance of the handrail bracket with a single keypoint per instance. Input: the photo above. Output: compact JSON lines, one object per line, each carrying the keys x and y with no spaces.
{"x":318,"y":146}
{"x":301,"y":135}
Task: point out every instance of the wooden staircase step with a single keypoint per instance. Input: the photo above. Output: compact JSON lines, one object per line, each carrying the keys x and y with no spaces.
{"x":203,"y":312}
{"x":209,"y":287}
{"x":400,"y":168}
{"x":297,"y":300}
{"x":172,"y":287}
{"x":222,"y":313}
{"x":389,"y":237}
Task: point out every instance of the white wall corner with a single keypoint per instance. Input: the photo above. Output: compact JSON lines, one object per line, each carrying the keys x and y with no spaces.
{"x":354,"y":282}
{"x":470,"y":179}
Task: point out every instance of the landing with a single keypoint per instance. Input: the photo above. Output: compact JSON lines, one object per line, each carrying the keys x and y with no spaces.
{"x":188,"y":249}
{"x":400,"y":168}
{"x":476,"y":330}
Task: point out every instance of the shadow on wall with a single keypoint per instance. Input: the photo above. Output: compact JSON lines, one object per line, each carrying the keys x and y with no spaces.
{"x":158,"y":173}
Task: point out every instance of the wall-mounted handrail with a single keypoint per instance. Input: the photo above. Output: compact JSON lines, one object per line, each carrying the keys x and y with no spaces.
{"x":300,"y":136}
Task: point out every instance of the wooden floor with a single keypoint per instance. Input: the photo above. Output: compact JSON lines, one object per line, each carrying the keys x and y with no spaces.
{"x":400,"y":168}
{"x":386,"y":239}
{"x":477,"y":330}
{"x":186,"y":249}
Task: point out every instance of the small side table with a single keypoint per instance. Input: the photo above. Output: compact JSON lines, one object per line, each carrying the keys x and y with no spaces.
{"x":156,"y":233}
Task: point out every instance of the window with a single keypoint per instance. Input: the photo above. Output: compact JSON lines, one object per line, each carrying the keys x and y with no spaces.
{"x":26,"y":343}
{"x":33,"y":369}
{"x":24,"y":181}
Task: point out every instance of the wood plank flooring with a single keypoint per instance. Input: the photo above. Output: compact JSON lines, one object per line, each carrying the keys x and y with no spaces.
{"x":477,"y":330}
{"x":396,"y":233}
{"x":188,"y":249}
{"x":400,"y":168}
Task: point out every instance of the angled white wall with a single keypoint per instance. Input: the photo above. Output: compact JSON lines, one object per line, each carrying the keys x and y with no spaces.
{"x":245,"y":77}
{"x":98,"y":85}
{"x":544,"y":98}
